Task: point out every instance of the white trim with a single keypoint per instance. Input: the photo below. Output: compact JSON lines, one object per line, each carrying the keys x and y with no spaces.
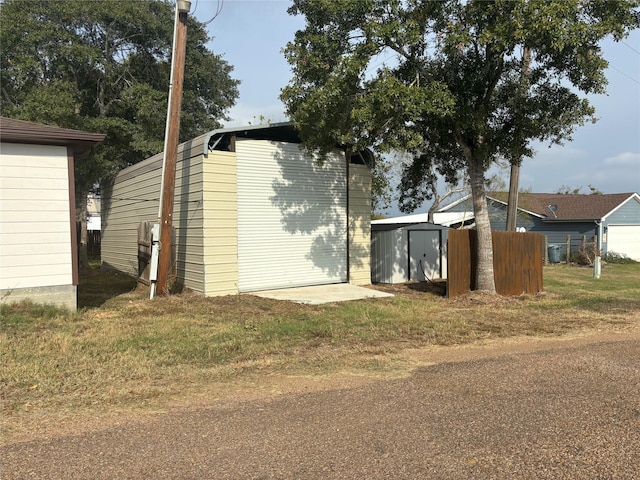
{"x":633,"y":195}
{"x":454,"y":203}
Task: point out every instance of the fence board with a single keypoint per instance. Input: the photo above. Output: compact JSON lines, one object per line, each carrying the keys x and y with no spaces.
{"x":517,"y":262}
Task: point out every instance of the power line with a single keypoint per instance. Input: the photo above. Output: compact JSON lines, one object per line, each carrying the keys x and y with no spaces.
{"x":630,"y":47}
{"x":622,"y":73}
{"x":215,"y":15}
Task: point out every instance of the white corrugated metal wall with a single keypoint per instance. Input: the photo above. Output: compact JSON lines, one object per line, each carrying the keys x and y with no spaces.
{"x":389,"y":261}
{"x":390,"y":251}
{"x":292,"y":217}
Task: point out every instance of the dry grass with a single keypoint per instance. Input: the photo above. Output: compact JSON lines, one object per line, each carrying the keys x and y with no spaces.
{"x":125,"y":352}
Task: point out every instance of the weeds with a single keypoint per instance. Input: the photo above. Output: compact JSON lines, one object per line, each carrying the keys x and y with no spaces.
{"x":123,"y":350}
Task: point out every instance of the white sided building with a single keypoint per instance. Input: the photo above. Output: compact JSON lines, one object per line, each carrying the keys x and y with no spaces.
{"x":38,"y":243}
{"x":253,"y":211}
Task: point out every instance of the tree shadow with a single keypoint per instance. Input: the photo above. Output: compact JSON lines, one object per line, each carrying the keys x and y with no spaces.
{"x":312,"y":198}
{"x":98,"y":285}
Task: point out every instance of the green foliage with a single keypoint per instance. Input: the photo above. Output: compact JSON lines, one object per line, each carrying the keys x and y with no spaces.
{"x":458,"y":84}
{"x":618,"y":258}
{"x":381,"y":196}
{"x":566,"y":190}
{"x":104,"y":66}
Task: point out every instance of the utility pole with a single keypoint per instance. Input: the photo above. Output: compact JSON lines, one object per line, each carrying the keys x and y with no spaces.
{"x":172,"y":135}
{"x":512,"y":202}
{"x":514,"y":179}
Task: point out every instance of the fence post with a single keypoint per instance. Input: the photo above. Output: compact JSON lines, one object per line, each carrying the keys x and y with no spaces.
{"x":545,"y":254}
{"x":568,"y":249}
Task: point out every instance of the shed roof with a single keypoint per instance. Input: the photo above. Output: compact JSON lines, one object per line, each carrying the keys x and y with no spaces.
{"x":383,"y":227}
{"x":20,"y":131}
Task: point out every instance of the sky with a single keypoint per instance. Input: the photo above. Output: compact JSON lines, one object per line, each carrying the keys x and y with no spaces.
{"x":250,"y":36}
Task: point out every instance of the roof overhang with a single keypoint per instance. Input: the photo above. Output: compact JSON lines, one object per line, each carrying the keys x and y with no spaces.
{"x":20,"y":131}
{"x":570,"y":220}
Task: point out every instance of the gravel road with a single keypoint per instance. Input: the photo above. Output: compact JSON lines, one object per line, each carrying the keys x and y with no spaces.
{"x":566,"y":410}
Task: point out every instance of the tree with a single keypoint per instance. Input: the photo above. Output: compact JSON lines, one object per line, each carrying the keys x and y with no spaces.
{"x":104,"y":66}
{"x":421,"y":181}
{"x":566,"y":190}
{"x":444,"y":81}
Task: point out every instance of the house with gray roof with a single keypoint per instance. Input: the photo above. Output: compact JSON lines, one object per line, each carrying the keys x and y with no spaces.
{"x":613,"y":219}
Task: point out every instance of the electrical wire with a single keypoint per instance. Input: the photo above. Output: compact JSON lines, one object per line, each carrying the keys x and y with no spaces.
{"x":622,"y":73}
{"x":629,"y":46}
{"x":218,"y":11}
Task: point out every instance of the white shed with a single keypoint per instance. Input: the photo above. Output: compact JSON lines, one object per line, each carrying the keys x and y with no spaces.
{"x":38,"y":245}
{"x":253,"y":211}
{"x":401,"y":252}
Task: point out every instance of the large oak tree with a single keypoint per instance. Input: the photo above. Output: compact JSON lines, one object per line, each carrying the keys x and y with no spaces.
{"x":104,"y":66}
{"x":457,"y":83}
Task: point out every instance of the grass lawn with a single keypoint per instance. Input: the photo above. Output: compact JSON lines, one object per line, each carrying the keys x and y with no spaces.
{"x":122,"y":351}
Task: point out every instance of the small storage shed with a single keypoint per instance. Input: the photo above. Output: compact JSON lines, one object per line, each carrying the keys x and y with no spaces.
{"x":253,"y":211}
{"x":401,"y":252}
{"x":38,"y":245}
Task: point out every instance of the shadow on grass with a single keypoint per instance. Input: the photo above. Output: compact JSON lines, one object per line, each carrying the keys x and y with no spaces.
{"x":98,"y":285}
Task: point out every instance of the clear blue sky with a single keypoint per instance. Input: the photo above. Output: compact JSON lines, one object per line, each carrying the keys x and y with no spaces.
{"x":250,"y":35}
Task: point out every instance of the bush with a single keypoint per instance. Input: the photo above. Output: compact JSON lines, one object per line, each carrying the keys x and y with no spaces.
{"x":585,"y":255}
{"x":614,"y":257}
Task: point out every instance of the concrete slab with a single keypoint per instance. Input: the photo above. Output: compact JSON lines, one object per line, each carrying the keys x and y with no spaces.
{"x":318,"y":294}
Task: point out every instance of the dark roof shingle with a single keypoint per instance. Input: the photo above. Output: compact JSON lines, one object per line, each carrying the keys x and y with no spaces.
{"x":568,"y":207}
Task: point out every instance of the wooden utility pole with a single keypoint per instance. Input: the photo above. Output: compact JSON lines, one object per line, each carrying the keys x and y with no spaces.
{"x":512,"y":202}
{"x":171,"y":145}
{"x":514,"y":178}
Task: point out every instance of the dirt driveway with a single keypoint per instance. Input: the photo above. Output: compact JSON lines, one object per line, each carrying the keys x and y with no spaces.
{"x":538,"y":409}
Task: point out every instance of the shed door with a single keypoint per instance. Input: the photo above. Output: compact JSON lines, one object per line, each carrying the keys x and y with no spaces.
{"x":292,"y":217}
{"x":624,"y":239}
{"x":424,"y":255}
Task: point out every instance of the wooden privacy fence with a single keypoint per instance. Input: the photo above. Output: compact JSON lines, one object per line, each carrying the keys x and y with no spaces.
{"x":144,"y":252}
{"x":517,"y":262}
{"x":94,"y":239}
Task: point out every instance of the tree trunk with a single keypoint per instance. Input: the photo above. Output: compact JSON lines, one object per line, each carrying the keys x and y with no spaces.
{"x":484,"y":272}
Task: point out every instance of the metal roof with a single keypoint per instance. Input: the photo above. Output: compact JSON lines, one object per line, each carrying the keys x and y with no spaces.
{"x":20,"y":131}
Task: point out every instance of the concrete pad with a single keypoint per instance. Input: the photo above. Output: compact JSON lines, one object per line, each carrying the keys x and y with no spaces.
{"x":317,"y":294}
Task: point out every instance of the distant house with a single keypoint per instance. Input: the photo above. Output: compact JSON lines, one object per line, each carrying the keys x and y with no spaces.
{"x":38,"y":243}
{"x":253,"y":211}
{"x":614,"y":219}
{"x":93,"y":212}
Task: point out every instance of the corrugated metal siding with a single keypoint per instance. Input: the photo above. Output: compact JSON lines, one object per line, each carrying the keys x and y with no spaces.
{"x":220,"y":224}
{"x":389,"y":256}
{"x":517,"y":262}
{"x":390,"y":262}
{"x":34,"y":192}
{"x":359,"y":225}
{"x":292,"y":217}
{"x":133,"y":197}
